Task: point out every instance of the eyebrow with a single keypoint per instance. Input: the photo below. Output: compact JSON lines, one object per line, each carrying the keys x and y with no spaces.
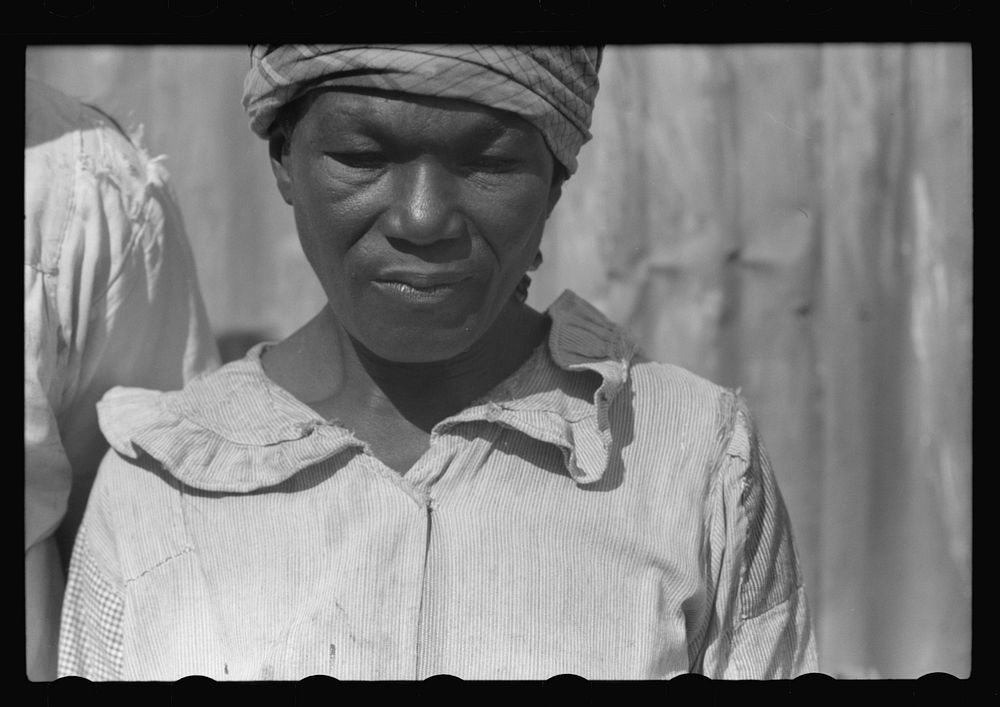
{"x":480,"y":133}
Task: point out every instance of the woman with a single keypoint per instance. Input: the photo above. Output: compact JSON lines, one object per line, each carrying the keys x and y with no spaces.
{"x":430,"y":476}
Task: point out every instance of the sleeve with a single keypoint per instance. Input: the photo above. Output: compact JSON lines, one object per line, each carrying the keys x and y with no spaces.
{"x":49,"y":198}
{"x":761,"y":627}
{"x":46,"y":465}
{"x":47,"y":479}
{"x":147,"y":324}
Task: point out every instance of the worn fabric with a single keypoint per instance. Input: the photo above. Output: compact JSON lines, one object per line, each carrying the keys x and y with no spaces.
{"x":596,"y":514}
{"x":552,"y":87}
{"x":110,"y":298}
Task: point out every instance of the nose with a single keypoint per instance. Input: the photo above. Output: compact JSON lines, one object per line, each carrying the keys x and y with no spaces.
{"x":424,"y":207}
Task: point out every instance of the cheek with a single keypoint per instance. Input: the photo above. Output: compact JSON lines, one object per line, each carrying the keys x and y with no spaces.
{"x":515,"y":228}
{"x":330,"y":220}
{"x":513,"y":203}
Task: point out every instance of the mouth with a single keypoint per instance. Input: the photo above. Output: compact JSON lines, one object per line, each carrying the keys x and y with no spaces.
{"x":419,"y":289}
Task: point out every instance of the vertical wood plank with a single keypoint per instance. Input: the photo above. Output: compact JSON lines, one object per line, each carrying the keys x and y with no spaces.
{"x":928,"y":541}
{"x":861,"y":321}
{"x":941,"y":329}
{"x":850,"y":149}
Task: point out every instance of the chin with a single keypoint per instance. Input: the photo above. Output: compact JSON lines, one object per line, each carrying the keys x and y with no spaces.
{"x":418,"y":334}
{"x":425,"y":346}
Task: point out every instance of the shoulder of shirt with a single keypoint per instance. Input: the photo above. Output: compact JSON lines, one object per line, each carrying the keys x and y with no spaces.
{"x":582,"y":334}
{"x":63,"y":134}
{"x":668,"y":402}
{"x":230,"y":429}
{"x":660,"y":406}
{"x":663,"y":378}
{"x":670,"y":391}
{"x":50,"y":113}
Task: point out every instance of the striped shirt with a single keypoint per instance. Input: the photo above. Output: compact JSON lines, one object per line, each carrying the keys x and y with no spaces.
{"x":596,"y":514}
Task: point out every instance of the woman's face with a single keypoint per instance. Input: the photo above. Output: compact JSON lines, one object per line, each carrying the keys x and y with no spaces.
{"x":418,"y":215}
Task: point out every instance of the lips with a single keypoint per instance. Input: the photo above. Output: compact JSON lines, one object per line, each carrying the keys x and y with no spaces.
{"x":421,"y":280}
{"x":416,"y":288}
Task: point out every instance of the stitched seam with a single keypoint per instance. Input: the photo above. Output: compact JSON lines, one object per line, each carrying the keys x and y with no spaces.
{"x":74,"y":198}
{"x":182,"y":415}
{"x":142,"y":574}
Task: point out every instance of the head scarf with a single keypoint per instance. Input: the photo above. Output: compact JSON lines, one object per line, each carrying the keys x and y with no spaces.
{"x":553,"y":88}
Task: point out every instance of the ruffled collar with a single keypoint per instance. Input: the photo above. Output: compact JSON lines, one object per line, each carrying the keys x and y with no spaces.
{"x":235,"y":430}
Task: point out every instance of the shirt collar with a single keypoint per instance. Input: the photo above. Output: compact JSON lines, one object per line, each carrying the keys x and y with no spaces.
{"x":550,"y":401}
{"x":235,"y":430}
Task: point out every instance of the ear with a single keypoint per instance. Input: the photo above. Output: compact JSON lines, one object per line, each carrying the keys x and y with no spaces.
{"x":280,"y":165}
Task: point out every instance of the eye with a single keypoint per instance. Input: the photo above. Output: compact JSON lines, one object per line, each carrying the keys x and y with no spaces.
{"x":360,"y":160}
{"x":491,"y":164}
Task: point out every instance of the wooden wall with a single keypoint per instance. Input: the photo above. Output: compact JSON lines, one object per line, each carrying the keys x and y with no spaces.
{"x":793,"y":220}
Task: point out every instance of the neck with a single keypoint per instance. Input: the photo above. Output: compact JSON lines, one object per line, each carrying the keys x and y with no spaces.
{"x":427,"y":392}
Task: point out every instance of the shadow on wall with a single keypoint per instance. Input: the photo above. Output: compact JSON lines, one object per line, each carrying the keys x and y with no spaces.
{"x":235,"y":343}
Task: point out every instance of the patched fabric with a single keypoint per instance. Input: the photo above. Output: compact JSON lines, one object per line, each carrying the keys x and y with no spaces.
{"x":552,"y":87}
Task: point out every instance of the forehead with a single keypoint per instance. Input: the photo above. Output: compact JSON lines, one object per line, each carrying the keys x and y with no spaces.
{"x":402,"y":115}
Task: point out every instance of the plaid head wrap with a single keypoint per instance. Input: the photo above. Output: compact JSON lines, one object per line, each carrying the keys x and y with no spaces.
{"x":553,"y":88}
